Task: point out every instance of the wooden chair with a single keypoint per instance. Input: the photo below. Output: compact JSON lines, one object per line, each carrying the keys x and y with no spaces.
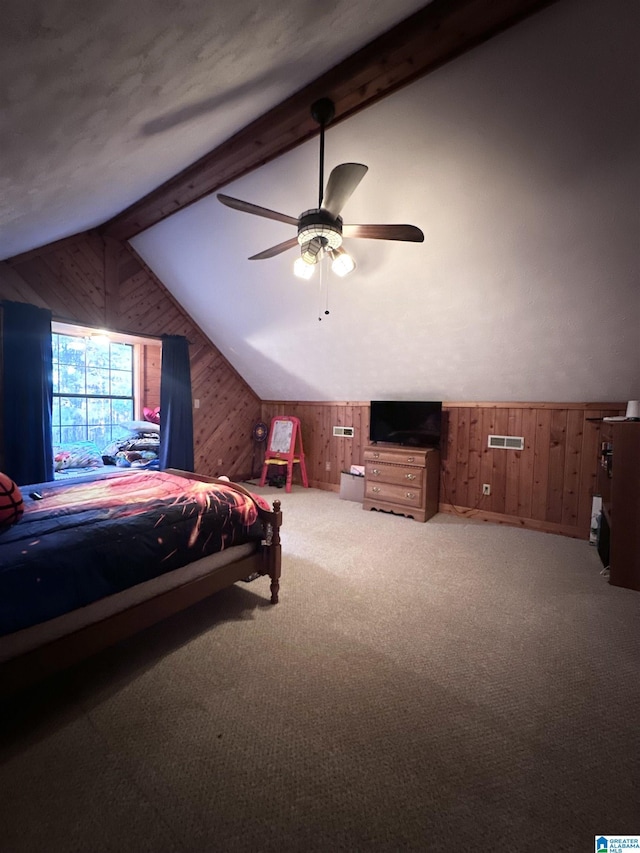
{"x":284,"y":447}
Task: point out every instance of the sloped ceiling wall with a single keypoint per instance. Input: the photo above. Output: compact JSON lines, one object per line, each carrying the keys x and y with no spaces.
{"x":519,"y":162}
{"x":103,"y":102}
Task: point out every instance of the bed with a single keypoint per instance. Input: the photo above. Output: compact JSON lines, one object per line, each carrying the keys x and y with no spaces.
{"x":97,"y":559}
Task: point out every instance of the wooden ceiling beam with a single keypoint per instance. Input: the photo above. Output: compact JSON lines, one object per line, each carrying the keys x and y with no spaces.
{"x":423,"y":42}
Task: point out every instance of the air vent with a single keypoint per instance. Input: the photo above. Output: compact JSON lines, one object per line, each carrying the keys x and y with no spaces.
{"x":506,"y":442}
{"x":343,"y":432}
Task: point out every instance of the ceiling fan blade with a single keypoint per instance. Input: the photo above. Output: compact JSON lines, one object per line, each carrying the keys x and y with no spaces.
{"x":342,"y":182}
{"x":409,"y":233}
{"x":275,"y":250}
{"x":248,"y":207}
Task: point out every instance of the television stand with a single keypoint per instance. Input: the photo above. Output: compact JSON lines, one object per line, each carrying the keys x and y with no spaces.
{"x":402,"y":480}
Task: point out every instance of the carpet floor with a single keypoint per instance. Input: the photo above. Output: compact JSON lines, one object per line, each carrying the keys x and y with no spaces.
{"x":453,"y":685}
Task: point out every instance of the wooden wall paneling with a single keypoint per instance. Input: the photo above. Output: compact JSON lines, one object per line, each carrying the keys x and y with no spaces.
{"x":557,"y":457}
{"x":573,"y":456}
{"x":338,"y":443}
{"x":487,"y":426}
{"x":541,"y":464}
{"x":48,"y":282}
{"x":474,"y":482}
{"x":499,"y":461}
{"x":77,"y":265}
{"x":361,"y":436}
{"x":144,"y":310}
{"x":527,"y":458}
{"x":318,"y":461}
{"x":94,"y":249}
{"x":448,"y":467}
{"x":546,"y":486}
{"x":151,"y":366}
{"x":347,"y":443}
{"x":463,"y":497}
{"x":513,"y":465}
{"x":112,"y":258}
{"x":15,"y":288}
{"x":330,"y":444}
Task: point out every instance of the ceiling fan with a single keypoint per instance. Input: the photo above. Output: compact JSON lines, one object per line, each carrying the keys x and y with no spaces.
{"x":321,"y":229}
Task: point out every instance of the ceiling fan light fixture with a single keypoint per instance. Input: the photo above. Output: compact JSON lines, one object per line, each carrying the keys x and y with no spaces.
{"x":313,"y":250}
{"x":302,"y":269}
{"x":341,"y":262}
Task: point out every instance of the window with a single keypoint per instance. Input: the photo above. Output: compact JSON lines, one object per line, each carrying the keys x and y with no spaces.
{"x":93,"y":387}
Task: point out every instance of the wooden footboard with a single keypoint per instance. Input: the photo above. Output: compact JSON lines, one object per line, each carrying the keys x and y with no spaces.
{"x":33,"y":666}
{"x":271,"y":522}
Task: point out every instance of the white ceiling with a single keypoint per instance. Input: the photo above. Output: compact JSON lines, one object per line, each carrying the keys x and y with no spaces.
{"x":101,"y":102}
{"x":518,"y":160}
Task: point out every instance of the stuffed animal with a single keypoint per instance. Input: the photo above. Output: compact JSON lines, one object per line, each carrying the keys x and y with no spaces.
{"x":151,"y":415}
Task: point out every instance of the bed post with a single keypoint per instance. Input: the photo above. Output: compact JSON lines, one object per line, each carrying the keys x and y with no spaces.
{"x":273,"y":551}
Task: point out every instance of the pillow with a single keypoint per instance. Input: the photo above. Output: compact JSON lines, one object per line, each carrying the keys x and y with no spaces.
{"x":11,"y":505}
{"x":77,"y":454}
{"x":141,"y":426}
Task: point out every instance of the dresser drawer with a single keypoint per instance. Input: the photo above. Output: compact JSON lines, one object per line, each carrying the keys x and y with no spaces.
{"x":379,"y":473}
{"x":396,"y":456}
{"x":407,"y":496}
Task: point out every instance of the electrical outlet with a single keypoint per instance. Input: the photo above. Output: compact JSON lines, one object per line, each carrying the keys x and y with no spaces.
{"x":327,"y":466}
{"x":219,"y":463}
{"x":486,"y":489}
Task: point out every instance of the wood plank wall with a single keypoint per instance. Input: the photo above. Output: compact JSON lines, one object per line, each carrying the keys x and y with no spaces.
{"x":547,"y":486}
{"x":100,"y":282}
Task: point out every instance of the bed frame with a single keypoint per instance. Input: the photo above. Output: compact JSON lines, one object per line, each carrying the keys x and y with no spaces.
{"x":36,"y":665}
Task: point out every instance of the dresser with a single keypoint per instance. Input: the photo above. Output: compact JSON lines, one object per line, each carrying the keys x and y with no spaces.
{"x":402,"y":480}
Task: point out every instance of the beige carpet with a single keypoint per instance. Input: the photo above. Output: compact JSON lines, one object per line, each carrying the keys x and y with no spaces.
{"x":444,"y":686}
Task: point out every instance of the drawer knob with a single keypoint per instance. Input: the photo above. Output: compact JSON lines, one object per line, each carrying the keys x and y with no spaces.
{"x":411,"y":458}
{"x":375,"y":489}
{"x":375,"y":471}
{"x":376,"y":455}
{"x":409,"y":495}
{"x":410,"y":476}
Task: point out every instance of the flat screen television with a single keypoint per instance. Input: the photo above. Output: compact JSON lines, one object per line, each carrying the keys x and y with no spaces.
{"x":416,"y":424}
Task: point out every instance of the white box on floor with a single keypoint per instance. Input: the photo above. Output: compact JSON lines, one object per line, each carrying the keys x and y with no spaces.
{"x":351,"y":487}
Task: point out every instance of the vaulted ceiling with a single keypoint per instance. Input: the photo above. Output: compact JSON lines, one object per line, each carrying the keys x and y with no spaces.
{"x":516,"y":159}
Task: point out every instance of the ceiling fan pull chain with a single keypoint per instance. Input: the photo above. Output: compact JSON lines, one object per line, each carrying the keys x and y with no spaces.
{"x":326,"y":304}
{"x":320,"y":286}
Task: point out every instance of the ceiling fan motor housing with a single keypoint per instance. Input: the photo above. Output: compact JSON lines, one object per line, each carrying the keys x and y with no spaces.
{"x":318,"y":230}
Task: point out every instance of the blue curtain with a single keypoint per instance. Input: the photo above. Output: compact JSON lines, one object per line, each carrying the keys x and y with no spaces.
{"x":176,"y":415}
{"x":27,"y":392}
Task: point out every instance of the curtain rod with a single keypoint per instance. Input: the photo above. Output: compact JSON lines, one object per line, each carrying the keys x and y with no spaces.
{"x":56,"y":318}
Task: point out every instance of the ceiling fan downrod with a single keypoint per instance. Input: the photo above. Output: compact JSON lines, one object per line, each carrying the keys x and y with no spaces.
{"x":322,"y":111}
